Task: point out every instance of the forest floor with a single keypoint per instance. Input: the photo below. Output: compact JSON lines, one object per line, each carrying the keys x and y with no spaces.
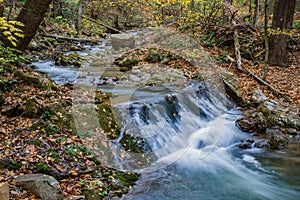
{"x":284,"y":79}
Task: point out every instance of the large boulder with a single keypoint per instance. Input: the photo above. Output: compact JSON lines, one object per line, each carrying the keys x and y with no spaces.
{"x":123,"y":40}
{"x":44,"y":186}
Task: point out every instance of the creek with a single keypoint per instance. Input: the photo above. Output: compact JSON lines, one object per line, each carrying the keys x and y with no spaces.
{"x":187,"y":132}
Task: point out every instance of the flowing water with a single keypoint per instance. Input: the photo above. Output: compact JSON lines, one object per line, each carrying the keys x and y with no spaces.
{"x":191,"y":145}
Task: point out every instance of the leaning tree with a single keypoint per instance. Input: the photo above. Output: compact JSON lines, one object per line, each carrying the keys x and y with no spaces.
{"x":31,"y":15}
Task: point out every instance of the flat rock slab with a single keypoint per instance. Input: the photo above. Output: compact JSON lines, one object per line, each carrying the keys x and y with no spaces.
{"x":123,"y":40}
{"x":44,"y":186}
{"x":4,"y":191}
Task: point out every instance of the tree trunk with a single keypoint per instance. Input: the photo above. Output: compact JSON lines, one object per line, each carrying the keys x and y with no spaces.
{"x":1,"y":8}
{"x":31,"y":15}
{"x":79,"y":17}
{"x":256,"y":12}
{"x":266,"y":41}
{"x":282,"y":21}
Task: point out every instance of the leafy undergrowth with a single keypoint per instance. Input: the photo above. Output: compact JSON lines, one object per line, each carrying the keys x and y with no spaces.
{"x":37,"y":135}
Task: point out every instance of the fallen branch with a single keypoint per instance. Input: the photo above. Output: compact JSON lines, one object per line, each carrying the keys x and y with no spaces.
{"x":106,"y":26}
{"x":267,"y":84}
{"x":57,"y":37}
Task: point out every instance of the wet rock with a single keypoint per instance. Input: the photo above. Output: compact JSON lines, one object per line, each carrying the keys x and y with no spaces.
{"x":277,"y":140}
{"x":246,"y":125}
{"x":245,"y":145}
{"x":258,"y":96}
{"x":254,"y":143}
{"x":44,"y":186}
{"x":262,"y":144}
{"x":123,"y":40}
{"x":291,"y":131}
{"x":4,"y":191}
{"x":230,"y":83}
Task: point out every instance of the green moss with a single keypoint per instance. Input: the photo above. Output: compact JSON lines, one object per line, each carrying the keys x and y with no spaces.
{"x":277,"y":141}
{"x":110,"y":120}
{"x":133,"y":144}
{"x":153,"y":56}
{"x":69,"y":60}
{"x":34,"y":142}
{"x":42,"y":167}
{"x":53,"y":154}
{"x":76,"y":149}
{"x":128,"y":179}
{"x":9,"y":163}
{"x":101,"y":97}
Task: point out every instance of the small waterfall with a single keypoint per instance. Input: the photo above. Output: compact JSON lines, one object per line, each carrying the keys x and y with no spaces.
{"x":168,"y":119}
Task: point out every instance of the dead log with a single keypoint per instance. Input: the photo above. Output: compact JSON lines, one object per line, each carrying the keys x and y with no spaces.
{"x":57,"y":37}
{"x":101,"y":24}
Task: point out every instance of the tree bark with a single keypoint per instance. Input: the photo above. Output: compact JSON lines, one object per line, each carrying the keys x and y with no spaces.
{"x":282,"y":22}
{"x":266,"y":41}
{"x":79,"y":17}
{"x":1,"y":9}
{"x":31,"y":15}
{"x":256,"y":12}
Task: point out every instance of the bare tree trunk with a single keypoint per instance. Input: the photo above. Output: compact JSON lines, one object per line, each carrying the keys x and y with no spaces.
{"x":256,"y":12}
{"x":79,"y":17}
{"x":31,"y":15}
{"x":266,"y":41}
{"x":282,"y":21}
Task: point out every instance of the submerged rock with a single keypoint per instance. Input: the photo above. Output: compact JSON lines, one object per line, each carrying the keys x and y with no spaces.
{"x":44,"y":186}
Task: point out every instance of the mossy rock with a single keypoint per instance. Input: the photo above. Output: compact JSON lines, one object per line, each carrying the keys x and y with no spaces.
{"x":153,"y":56}
{"x":69,"y":60}
{"x":32,"y":108}
{"x":92,"y":194}
{"x":126,"y":63}
{"x":110,"y":120}
{"x":134,"y":144}
{"x":101,"y":96}
{"x":128,"y":179}
{"x":277,"y":141}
